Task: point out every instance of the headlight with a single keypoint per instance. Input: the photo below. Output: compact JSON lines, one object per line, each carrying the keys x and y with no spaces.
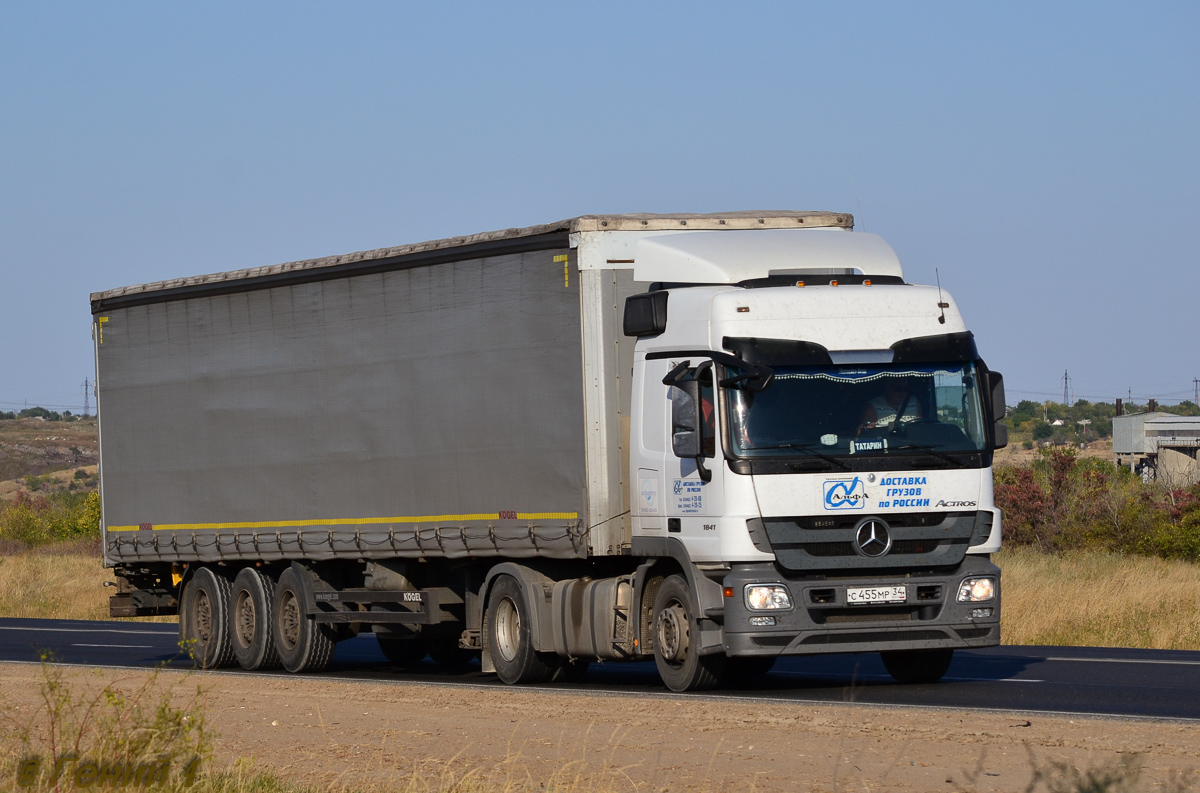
{"x":977,"y":590}
{"x":767,"y":596}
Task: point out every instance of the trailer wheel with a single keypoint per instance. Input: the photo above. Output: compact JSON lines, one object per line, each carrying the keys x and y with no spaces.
{"x":205,"y":619}
{"x":303,"y":644}
{"x":250,"y":630}
{"x":676,"y":630}
{"x":510,"y":639}
{"x":917,"y":666}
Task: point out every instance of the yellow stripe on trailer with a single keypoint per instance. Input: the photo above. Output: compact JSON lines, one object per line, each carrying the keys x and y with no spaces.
{"x":285,"y":524}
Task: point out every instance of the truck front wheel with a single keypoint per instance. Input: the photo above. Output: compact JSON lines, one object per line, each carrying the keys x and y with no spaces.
{"x":250,"y":631}
{"x":204,"y":619}
{"x":304,"y":645}
{"x":917,"y":666}
{"x":676,"y":641}
{"x":510,"y":638}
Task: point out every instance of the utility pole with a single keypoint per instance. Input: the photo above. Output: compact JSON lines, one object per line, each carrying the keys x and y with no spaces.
{"x":1066,"y":388}
{"x":1196,"y":392}
{"x":86,"y":394}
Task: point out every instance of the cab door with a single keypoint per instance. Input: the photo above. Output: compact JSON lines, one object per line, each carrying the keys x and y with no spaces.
{"x":694,"y":482}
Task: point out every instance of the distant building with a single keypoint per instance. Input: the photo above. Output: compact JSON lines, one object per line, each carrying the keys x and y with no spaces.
{"x":1159,"y":445}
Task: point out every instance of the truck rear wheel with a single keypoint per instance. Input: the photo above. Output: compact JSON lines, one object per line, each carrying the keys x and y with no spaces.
{"x":510,"y":638}
{"x":204,"y":619}
{"x":250,"y":630}
{"x":303,"y":644}
{"x":676,"y":634}
{"x":917,"y":666}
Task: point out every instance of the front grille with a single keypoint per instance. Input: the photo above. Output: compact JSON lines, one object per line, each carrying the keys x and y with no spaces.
{"x":914,"y":546}
{"x":897,"y":520}
{"x":826,"y":542}
{"x":829,"y":548}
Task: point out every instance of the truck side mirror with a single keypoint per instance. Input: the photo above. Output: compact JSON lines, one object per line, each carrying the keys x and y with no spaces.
{"x":999,"y":409}
{"x":996,"y":381}
{"x":687,"y":428}
{"x":685,"y":419}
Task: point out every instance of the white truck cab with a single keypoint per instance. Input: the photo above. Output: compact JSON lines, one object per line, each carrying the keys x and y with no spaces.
{"x":815,"y":436}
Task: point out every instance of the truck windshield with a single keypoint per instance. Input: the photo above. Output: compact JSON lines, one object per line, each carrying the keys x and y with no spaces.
{"x":859,"y":410}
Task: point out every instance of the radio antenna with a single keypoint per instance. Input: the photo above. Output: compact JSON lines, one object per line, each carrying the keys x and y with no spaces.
{"x":941,"y":303}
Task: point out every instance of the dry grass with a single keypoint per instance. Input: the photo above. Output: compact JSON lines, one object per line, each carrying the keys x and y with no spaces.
{"x":54,"y":582}
{"x":1099,"y":600}
{"x":59,"y":581}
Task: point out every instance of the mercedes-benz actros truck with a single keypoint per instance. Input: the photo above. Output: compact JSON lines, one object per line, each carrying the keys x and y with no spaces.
{"x":710,"y":440}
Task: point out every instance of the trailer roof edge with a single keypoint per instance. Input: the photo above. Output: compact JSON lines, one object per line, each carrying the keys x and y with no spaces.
{"x":490,"y":243}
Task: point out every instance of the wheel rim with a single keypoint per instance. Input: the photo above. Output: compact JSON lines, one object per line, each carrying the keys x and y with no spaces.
{"x":508,"y":629}
{"x":673,"y":633}
{"x":244,"y":618}
{"x":289,"y":620}
{"x":202,"y":617}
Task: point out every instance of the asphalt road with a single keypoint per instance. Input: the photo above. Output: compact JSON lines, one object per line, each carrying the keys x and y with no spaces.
{"x":1083,"y":680}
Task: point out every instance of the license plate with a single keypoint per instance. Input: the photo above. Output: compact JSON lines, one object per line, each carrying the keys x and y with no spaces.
{"x":875,"y":594}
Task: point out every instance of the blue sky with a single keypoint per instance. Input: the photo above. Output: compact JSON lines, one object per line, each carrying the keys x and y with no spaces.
{"x":1045,"y":158}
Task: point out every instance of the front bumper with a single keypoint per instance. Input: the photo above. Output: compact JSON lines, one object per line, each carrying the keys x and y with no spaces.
{"x":821,"y":621}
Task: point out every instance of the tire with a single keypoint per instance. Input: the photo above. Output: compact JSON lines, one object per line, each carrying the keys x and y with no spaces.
{"x":917,"y":666}
{"x":679,"y":665}
{"x":251,"y":633}
{"x":747,"y":669}
{"x":204,"y":619}
{"x":510,"y":639}
{"x":303,"y":644}
{"x":403,"y":650}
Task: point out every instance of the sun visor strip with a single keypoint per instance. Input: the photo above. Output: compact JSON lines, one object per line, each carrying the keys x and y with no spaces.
{"x":944,"y":348}
{"x":778,"y":352}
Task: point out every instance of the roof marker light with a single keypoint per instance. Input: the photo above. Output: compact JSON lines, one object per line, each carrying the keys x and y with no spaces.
{"x":743,"y":309}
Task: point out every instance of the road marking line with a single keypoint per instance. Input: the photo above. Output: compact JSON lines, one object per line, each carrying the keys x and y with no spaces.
{"x":83,"y":630}
{"x":1125,"y":661}
{"x":993,"y":680}
{"x":122,"y":646}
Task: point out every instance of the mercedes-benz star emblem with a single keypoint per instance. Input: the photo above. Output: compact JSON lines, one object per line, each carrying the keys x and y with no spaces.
{"x":872,"y":538}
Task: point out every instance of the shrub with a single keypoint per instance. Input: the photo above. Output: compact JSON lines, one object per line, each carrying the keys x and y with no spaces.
{"x":40,"y":412}
{"x":1065,"y":503}
{"x":36,"y":520}
{"x":146,"y":737}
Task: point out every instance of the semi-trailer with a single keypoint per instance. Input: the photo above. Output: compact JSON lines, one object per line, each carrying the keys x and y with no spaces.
{"x":710,"y":440}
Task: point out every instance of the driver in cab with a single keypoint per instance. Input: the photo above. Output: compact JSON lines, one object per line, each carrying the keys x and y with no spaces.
{"x":895,"y":406}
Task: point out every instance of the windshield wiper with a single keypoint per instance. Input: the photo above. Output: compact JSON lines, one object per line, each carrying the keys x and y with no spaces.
{"x":808,"y":448}
{"x":928,"y":450}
